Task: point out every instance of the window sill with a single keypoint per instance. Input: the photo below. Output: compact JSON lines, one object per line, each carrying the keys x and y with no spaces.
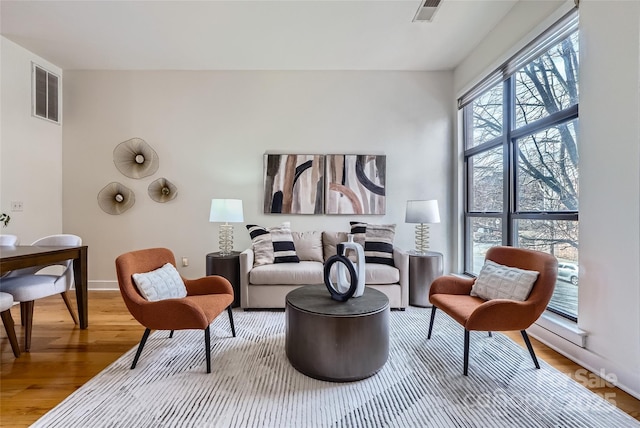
{"x":563,"y":327}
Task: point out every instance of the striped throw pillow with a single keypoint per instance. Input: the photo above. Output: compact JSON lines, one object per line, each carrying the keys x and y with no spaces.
{"x":272,"y":245}
{"x":261,"y":245}
{"x":284,"y":251}
{"x":378,"y":241}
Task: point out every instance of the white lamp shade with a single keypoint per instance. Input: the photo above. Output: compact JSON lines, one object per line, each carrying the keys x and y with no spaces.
{"x":226,"y":210}
{"x":422,"y":212}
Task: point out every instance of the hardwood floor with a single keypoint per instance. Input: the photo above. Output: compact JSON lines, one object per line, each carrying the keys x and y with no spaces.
{"x":63,"y":357}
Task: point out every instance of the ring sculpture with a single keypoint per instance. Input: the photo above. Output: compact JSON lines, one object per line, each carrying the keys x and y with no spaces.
{"x":353,"y":286}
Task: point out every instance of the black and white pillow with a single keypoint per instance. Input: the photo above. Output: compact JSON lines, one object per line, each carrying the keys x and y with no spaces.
{"x":284,"y":251}
{"x":272,"y":245}
{"x":378,"y":241}
{"x":261,"y":245}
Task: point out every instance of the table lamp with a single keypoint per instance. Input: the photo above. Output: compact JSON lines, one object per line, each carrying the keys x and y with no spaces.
{"x":227,"y":211}
{"x":423,"y":213}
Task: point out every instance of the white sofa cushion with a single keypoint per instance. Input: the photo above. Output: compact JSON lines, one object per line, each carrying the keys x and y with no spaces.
{"x":381,"y":274}
{"x":330,"y":240}
{"x":302,"y":273}
{"x":308,"y":245}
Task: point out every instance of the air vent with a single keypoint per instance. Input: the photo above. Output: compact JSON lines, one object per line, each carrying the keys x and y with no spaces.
{"x":426,"y":11}
{"x":45,"y":94}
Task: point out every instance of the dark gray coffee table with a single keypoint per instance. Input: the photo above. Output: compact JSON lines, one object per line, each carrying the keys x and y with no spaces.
{"x":336,"y":341}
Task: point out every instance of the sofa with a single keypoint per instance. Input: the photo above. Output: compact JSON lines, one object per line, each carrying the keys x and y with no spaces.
{"x":265,"y":286}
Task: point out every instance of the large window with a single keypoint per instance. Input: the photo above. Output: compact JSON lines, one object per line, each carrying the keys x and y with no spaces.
{"x":521,"y":158}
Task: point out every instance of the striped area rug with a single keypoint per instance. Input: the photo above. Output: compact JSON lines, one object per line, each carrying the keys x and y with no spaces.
{"x":253,"y":385}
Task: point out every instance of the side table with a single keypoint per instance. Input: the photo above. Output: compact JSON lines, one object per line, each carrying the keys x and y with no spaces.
{"x":423,"y":269}
{"x":227,"y":266}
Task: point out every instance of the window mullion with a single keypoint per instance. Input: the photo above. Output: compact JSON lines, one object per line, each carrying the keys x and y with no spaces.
{"x":507,"y":230}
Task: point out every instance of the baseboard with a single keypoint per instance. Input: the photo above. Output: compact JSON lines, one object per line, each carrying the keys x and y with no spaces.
{"x":102,"y":285}
{"x":627,"y":380}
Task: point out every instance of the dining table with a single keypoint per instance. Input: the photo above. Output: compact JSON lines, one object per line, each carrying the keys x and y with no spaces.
{"x":23,"y":256}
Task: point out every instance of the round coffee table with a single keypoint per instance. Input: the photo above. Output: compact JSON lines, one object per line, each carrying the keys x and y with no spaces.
{"x":336,"y":341}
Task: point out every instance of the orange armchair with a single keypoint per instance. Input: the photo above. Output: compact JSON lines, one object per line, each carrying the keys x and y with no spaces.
{"x":452,"y":295}
{"x":206,"y":298}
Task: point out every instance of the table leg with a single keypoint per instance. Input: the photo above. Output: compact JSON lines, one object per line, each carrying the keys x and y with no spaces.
{"x":80,"y":279}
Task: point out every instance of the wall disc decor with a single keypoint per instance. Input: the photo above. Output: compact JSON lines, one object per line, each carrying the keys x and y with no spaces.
{"x":135,"y":158}
{"x":115,"y":198}
{"x":162,"y":190}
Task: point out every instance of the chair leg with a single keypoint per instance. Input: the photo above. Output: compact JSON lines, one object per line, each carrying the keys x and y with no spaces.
{"x":67,"y":302}
{"x":7,"y":320}
{"x":145,"y":335}
{"x":433,"y":317}
{"x":171,"y":335}
{"x":26,"y":308}
{"x":207,"y":346}
{"x":490,"y":334}
{"x":525,"y":336}
{"x":233,"y":328}
{"x":466,"y":352}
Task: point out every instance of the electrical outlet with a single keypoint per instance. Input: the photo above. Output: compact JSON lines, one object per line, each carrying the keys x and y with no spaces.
{"x":185,"y":262}
{"x":16,"y":206}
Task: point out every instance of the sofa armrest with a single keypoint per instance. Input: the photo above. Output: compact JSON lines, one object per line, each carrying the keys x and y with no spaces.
{"x":401,"y":260}
{"x":246,"y":264}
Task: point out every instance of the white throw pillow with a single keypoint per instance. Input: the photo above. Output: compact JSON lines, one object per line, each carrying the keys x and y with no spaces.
{"x":308,"y":245}
{"x":496,"y":281}
{"x":162,"y":283}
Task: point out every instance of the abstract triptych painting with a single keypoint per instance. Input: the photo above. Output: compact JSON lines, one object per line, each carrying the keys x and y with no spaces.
{"x":331,"y":184}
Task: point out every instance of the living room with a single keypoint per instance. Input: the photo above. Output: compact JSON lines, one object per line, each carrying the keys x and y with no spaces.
{"x":212,"y":127}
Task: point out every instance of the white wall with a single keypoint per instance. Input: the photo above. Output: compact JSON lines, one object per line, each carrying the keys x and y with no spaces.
{"x":609,"y":300}
{"x":211,"y":130}
{"x":30,"y":151}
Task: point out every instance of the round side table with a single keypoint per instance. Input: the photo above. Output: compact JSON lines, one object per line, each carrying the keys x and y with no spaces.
{"x":423,"y":269}
{"x":227,"y":266}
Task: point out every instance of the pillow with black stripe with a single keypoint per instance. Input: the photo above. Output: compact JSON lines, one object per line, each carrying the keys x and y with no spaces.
{"x":377,"y":240}
{"x":284,"y":251}
{"x":358,"y":230}
{"x":261,"y":245}
{"x":378,"y":243}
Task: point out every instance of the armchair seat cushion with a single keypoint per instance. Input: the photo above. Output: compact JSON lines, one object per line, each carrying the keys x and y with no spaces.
{"x":457,"y":306}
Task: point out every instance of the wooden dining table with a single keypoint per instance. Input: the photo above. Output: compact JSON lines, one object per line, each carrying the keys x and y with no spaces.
{"x":23,"y":256}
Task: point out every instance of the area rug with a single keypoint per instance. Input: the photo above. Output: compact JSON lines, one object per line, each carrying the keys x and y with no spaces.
{"x":252,"y":384}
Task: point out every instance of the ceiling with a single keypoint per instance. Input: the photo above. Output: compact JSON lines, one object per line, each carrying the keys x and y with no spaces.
{"x":249,"y":35}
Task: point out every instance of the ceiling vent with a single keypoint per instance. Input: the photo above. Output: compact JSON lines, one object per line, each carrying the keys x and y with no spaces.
{"x":426,"y":10}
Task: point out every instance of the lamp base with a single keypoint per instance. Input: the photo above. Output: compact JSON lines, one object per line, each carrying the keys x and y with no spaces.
{"x":422,"y":238}
{"x":225,"y":239}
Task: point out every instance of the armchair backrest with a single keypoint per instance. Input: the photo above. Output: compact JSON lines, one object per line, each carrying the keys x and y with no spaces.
{"x":139,"y":261}
{"x":523,"y":258}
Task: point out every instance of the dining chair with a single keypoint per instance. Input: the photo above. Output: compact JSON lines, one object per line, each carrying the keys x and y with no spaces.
{"x":27,"y":285}
{"x":8,"y":240}
{"x":6,"y":302}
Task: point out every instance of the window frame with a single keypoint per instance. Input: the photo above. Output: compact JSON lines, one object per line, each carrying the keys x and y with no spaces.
{"x":510,"y":215}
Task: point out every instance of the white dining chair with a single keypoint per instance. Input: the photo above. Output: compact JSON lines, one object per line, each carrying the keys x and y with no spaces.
{"x":6,"y":302}
{"x":8,"y":240}
{"x":27,"y":285}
